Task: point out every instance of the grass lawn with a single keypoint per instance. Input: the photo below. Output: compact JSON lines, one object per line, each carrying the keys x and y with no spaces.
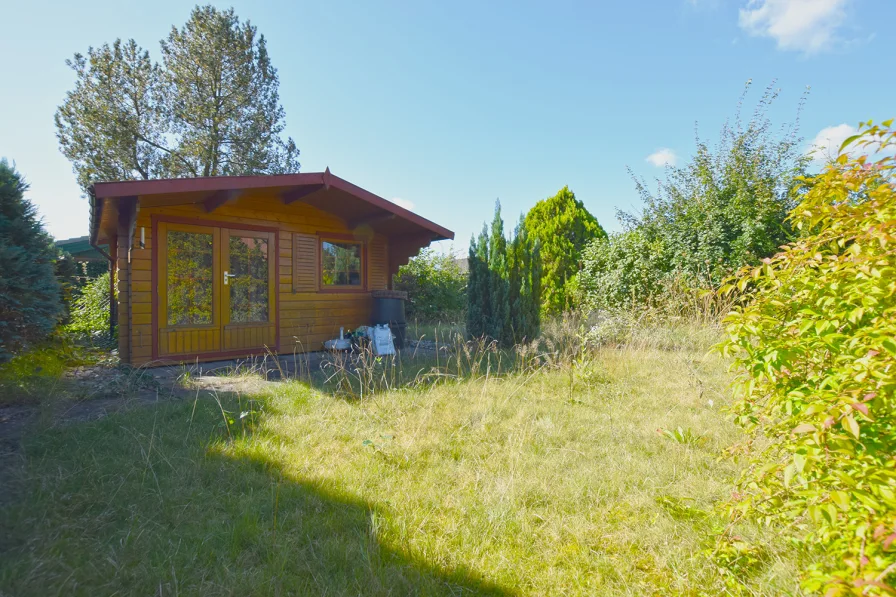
{"x":544,"y":484}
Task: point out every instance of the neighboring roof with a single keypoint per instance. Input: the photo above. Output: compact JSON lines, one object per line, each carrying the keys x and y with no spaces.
{"x":331,"y":192}
{"x":80,"y":249}
{"x":66,"y":242}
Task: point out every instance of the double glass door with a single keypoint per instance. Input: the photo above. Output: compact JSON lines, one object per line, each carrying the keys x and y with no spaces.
{"x":216,"y":290}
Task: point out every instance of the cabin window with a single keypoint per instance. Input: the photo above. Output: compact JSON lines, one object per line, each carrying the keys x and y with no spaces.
{"x":341,"y":264}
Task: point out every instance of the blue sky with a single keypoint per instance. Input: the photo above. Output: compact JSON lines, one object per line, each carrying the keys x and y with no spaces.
{"x":447,"y":106}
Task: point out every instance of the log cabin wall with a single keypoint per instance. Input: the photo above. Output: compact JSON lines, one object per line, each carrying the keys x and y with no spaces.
{"x":308,"y":315}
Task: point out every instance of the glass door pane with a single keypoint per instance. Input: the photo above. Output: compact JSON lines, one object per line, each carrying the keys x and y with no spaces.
{"x":188,"y":290}
{"x":248,"y":277}
{"x":189,"y":278}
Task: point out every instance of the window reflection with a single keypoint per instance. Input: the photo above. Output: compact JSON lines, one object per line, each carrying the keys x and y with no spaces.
{"x":249,"y":279}
{"x":189,"y":278}
{"x":341,"y":264}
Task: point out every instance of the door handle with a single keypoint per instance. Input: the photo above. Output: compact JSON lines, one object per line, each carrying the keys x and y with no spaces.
{"x":227,"y":277}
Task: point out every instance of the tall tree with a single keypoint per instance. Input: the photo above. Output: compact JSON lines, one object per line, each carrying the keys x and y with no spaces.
{"x":110,"y":125}
{"x":30,"y":300}
{"x":223,"y":98}
{"x":212,"y":107}
{"x":563,"y":227}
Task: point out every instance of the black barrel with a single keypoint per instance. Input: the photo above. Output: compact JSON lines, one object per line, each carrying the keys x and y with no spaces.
{"x":388,"y":308}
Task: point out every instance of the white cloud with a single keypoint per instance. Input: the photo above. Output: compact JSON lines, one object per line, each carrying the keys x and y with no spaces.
{"x":825,"y":146}
{"x":662,"y":157}
{"x":803,"y":25}
{"x":408,"y":205}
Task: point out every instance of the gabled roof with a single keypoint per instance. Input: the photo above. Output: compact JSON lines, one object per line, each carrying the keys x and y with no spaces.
{"x":321,"y":189}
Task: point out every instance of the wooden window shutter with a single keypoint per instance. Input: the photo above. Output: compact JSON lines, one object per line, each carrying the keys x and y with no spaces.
{"x":305,"y":262}
{"x":378,"y":266}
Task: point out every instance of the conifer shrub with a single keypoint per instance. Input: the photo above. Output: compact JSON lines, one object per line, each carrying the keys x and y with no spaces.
{"x":563,"y":227}
{"x":30,"y":298}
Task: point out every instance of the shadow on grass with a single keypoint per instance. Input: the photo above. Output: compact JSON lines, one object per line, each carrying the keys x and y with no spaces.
{"x":173,"y":500}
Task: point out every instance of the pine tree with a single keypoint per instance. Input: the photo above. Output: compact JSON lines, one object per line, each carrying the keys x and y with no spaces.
{"x":223,"y":98}
{"x":211,"y":108}
{"x":30,"y":298}
{"x":110,"y":126}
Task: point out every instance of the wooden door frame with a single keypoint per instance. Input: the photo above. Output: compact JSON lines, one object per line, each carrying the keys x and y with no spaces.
{"x":156,"y":219}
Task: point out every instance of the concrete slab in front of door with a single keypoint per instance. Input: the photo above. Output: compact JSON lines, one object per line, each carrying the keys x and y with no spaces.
{"x":267,"y":366}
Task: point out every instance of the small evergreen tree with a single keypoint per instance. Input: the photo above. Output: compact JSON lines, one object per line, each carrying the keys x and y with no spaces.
{"x":66,"y":271}
{"x":499,"y":322}
{"x":504,"y":288}
{"x":478,"y":302}
{"x":563,"y":227}
{"x":30,"y":299}
{"x":524,"y":267}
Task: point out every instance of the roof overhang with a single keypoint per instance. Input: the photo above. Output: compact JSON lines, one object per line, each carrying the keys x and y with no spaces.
{"x":356,"y":206}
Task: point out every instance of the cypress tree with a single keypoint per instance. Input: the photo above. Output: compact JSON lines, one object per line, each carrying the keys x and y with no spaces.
{"x":499,"y":321}
{"x":535,"y":296}
{"x":504,"y":287}
{"x":478,"y":294}
{"x":525,"y":286}
{"x":474,"y":309}
{"x":30,"y":298}
{"x":515,"y":283}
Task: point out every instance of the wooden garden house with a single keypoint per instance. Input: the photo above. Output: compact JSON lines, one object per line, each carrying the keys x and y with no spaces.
{"x":226,"y":267}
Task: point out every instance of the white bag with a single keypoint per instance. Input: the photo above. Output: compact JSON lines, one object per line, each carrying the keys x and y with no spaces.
{"x":381,"y":337}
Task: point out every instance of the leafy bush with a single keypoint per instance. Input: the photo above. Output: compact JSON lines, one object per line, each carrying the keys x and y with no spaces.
{"x":622,"y":269}
{"x":817,"y":350}
{"x":89,"y":314}
{"x":436,"y":287}
{"x":30,"y":301}
{"x":724,"y":209}
{"x":563,"y":227}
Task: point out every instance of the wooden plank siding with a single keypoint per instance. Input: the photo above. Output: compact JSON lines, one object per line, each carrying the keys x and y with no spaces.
{"x":307,"y":315}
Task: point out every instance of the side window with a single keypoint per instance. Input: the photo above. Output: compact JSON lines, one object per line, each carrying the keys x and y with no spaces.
{"x":341,"y":264}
